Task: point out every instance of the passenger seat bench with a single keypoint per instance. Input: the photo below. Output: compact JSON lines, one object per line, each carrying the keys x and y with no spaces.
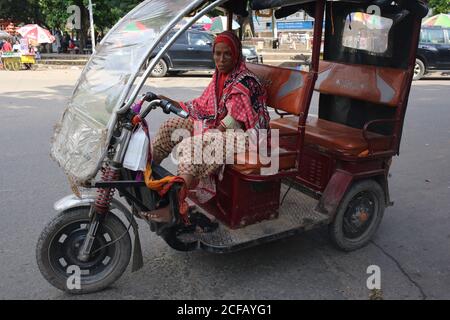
{"x":375,"y":84}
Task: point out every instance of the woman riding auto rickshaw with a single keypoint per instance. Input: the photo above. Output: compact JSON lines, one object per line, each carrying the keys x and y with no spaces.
{"x":305,"y":172}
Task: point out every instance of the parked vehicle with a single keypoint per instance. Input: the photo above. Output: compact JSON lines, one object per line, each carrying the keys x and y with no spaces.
{"x":333,"y":169}
{"x":192,"y":51}
{"x":434,"y":51}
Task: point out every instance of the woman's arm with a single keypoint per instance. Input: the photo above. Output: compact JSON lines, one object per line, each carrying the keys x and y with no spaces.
{"x":230,"y":123}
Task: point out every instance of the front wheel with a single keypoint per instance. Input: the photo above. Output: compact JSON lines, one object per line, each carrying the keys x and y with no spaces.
{"x":419,"y":70}
{"x":59,"y":244}
{"x":358,"y":216}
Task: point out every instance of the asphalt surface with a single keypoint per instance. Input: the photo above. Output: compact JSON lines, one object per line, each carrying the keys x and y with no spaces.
{"x":412,"y":246}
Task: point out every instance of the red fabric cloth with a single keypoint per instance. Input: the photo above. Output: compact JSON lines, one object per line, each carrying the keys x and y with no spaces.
{"x":239,"y":94}
{"x":243,"y":98}
{"x":220,"y":84}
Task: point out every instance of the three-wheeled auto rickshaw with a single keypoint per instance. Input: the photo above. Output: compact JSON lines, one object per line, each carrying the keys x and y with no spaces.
{"x":332,"y":170}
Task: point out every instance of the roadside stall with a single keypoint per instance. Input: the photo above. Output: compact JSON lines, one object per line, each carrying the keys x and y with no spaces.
{"x":23,"y":59}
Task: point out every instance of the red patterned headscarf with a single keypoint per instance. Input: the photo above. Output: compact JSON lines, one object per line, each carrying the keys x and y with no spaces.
{"x":232,"y":41}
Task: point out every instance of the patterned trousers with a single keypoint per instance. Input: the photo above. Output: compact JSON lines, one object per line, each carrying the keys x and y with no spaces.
{"x":199,"y":155}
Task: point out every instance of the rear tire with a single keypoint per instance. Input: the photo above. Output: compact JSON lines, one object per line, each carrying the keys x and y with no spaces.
{"x":160,"y":69}
{"x":58,"y":245}
{"x":358,"y":216}
{"x":419,"y":70}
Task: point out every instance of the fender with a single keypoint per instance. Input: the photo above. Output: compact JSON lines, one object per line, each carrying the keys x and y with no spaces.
{"x":334,"y":192}
{"x":86,"y":200}
{"x":72,"y":201}
{"x":337,"y":187}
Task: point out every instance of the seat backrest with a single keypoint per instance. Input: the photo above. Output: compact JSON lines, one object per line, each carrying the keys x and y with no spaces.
{"x":369,"y":83}
{"x":285,"y":87}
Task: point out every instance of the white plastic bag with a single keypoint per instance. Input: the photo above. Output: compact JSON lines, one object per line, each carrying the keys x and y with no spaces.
{"x":137,"y":152}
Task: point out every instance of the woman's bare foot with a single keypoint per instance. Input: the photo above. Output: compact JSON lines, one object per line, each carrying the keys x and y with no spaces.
{"x":162,"y":215}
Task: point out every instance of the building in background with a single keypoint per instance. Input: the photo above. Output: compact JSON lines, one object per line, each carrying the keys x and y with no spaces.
{"x":291,"y":32}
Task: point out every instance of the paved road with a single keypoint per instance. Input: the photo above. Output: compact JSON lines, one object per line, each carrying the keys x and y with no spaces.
{"x":412,"y":246}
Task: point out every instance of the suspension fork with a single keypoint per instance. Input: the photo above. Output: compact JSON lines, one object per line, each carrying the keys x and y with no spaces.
{"x":101,"y":207}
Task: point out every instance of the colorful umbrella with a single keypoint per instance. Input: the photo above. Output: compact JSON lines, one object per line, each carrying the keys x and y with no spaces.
{"x":36,"y":34}
{"x":439,"y":20}
{"x":220,"y":24}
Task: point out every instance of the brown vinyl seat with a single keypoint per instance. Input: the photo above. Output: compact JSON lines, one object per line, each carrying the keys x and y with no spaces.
{"x":286,"y":92}
{"x":369,"y":83}
{"x":244,"y":163}
{"x":332,"y":136}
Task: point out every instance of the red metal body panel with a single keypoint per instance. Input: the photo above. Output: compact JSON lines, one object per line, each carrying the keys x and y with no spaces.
{"x":241,"y":203}
{"x":334,"y":192}
{"x":315,"y":169}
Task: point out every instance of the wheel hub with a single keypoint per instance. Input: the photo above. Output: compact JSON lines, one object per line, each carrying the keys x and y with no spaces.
{"x":66,"y":248}
{"x":358,"y":216}
{"x":416,"y":69}
{"x":158,"y":68}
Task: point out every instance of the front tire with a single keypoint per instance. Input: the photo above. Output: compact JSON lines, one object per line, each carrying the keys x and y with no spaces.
{"x":419,"y":70}
{"x":59,"y":243}
{"x":358,"y":216}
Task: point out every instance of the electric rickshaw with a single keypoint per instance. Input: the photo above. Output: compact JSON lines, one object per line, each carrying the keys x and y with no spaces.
{"x":332,"y":169}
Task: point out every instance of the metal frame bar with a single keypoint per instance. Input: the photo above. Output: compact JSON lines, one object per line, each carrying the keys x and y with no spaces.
{"x":312,"y":77}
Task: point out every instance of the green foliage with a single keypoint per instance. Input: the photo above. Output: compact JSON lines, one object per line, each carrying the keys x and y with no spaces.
{"x":106,"y":12}
{"x":53,"y":13}
{"x":439,"y":6}
{"x":19,"y":10}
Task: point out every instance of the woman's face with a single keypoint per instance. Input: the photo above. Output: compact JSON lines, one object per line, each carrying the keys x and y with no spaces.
{"x":223,"y":58}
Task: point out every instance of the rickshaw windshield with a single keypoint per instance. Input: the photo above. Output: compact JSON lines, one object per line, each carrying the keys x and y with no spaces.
{"x":81,"y":137}
{"x":119,"y":57}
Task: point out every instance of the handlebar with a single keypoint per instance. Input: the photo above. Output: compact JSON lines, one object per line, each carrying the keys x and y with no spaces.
{"x":167,"y":106}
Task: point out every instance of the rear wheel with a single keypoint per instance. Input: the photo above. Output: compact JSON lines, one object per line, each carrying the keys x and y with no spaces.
{"x":59,"y":244}
{"x":160,"y":69}
{"x":358,"y":216}
{"x":419,"y":69}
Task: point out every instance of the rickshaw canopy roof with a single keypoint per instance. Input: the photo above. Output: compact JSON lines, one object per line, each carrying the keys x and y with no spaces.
{"x":239,"y":6}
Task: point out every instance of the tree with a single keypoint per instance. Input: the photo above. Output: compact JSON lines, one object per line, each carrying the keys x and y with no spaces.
{"x":106,"y":14}
{"x":439,"y":6}
{"x":21,"y":11}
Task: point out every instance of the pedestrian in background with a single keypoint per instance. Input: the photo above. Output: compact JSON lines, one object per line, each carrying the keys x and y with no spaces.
{"x":7,"y":47}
